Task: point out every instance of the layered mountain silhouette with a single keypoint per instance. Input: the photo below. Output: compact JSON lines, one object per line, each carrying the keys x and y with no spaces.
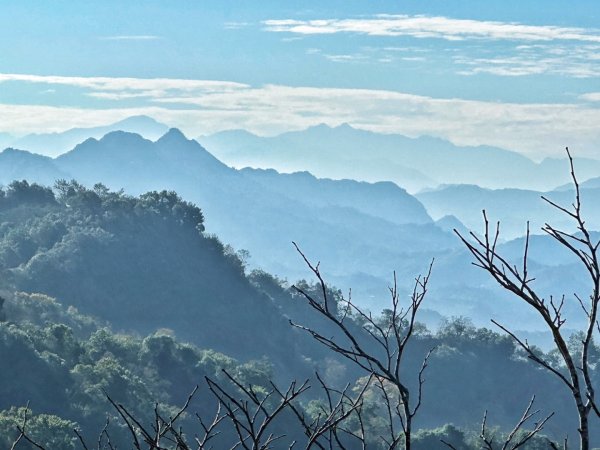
{"x":20,"y":164}
{"x":361,"y":232}
{"x":57,"y":143}
{"x":261,"y":211}
{"x":413,"y":163}
{"x":512,"y":207}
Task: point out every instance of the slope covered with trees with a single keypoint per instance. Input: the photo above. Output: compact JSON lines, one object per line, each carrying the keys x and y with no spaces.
{"x":141,"y":264}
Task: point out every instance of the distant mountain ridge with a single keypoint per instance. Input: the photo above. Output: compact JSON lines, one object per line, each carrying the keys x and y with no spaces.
{"x":413,"y":163}
{"x":262,"y":211}
{"x":344,"y":152}
{"x":360,"y":232}
{"x":55,"y":144}
{"x":20,"y":164}
{"x":513,"y":208}
{"x":381,"y":199}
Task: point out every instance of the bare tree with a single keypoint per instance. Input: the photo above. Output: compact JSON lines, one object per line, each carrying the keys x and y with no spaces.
{"x":517,"y":437}
{"x":575,"y":371}
{"x":329,"y":429}
{"x":245,"y":417}
{"x":104,"y":441}
{"x":390,"y":338}
{"x":254,"y":414}
{"x":161,"y":435}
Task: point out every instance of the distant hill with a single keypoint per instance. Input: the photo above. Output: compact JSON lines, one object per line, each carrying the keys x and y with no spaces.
{"x":141,"y":264}
{"x":54,"y":144}
{"x":512,"y":207}
{"x":360,"y":232}
{"x":354,"y":227}
{"x":412,"y":163}
{"x":451,"y":223}
{"x":19,"y":164}
{"x":592,"y":183}
{"x":382,"y":199}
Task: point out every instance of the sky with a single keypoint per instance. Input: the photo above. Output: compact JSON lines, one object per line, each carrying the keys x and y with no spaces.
{"x":521,"y":75}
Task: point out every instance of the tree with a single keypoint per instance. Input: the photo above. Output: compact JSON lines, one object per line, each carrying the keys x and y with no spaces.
{"x":377,"y":347}
{"x":20,"y":428}
{"x":574,"y":372}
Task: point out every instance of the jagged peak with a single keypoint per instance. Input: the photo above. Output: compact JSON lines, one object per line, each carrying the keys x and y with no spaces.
{"x":14,"y":151}
{"x":18,"y":154}
{"x":344,"y":126}
{"x":119,"y":134}
{"x":174,"y":134}
{"x":139,"y":119}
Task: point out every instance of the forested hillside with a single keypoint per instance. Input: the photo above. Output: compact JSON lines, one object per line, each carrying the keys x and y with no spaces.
{"x":148,"y":305}
{"x":140,"y":263}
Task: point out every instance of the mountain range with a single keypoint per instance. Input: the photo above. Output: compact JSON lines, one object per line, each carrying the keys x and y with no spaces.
{"x":413,"y":163}
{"x":361,"y":232}
{"x":344,"y":152}
{"x":54,"y":144}
{"x":513,"y":208}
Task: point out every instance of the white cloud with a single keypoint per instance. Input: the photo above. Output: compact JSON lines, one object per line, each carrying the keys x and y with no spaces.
{"x":346,"y":58}
{"x":201,"y":107}
{"x":565,"y":51}
{"x":130,"y":84}
{"x":573,"y":61}
{"x":107,"y":88}
{"x":591,"y":97}
{"x":413,"y":58}
{"x":433,"y":27}
{"x":373,"y":55}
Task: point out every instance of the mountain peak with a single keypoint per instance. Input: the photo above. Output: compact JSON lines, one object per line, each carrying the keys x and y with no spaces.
{"x":325,"y":128}
{"x":138,"y":121}
{"x":344,"y":126}
{"x":13,"y":151}
{"x":120,"y":137}
{"x":15,"y":154}
{"x":319,"y":127}
{"x":173,"y":135}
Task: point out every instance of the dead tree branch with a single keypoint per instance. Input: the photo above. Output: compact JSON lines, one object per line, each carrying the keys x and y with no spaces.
{"x":254,"y":414}
{"x":391,"y":337}
{"x":575,"y":372}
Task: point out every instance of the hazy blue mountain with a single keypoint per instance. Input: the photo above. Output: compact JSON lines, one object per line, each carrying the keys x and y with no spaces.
{"x":354,"y":227}
{"x":360,"y":232}
{"x":413,"y":163}
{"x":382,"y":199}
{"x":54,"y":144}
{"x":512,"y":207}
{"x":317,"y":150}
{"x":19,"y":164}
{"x":451,"y":223}
{"x":142,"y":264}
{"x":592,"y":183}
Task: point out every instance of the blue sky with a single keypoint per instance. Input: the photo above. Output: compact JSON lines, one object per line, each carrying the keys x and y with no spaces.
{"x":520,"y":75}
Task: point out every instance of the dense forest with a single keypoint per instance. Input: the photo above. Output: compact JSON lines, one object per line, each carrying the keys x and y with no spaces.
{"x":110,"y":297}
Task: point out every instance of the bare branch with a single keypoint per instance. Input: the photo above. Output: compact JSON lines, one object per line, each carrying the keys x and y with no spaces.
{"x":576,"y":376}
{"x":391,"y":338}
